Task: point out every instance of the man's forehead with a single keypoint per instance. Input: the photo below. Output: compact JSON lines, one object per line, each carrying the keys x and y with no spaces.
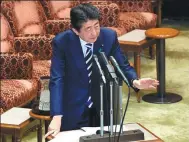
{"x":90,"y":23}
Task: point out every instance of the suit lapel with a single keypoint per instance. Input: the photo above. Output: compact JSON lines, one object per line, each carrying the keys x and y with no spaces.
{"x":98,"y":45}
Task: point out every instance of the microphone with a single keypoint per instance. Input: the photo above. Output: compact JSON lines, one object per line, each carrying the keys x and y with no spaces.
{"x":100,"y":69}
{"x":115,"y":64}
{"x":109,"y":67}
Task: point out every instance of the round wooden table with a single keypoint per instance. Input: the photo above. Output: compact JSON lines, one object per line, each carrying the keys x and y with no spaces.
{"x":44,"y":118}
{"x":161,"y":97}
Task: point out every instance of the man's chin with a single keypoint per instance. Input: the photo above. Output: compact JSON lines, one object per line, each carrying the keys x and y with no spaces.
{"x":93,"y":40}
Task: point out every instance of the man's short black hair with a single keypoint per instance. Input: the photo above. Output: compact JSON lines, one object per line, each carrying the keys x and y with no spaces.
{"x":82,"y":13}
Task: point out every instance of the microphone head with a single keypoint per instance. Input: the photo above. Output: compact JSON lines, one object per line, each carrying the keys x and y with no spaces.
{"x":104,"y":58}
{"x":114,"y":62}
{"x":94,"y":56}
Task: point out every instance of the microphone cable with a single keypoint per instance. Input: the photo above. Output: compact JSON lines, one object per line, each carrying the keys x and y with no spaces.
{"x":117,"y":107}
{"x":107,"y":107}
{"x":121,"y":125}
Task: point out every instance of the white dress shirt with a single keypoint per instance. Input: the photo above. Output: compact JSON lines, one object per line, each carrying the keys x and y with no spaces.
{"x":84,"y":48}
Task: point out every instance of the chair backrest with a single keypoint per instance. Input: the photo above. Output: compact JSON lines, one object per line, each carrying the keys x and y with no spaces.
{"x":126,"y":5}
{"x":109,"y":14}
{"x":25,"y":17}
{"x":61,"y":10}
{"x":57,"y":9}
{"x":134,"y":5}
{"x":6,"y":35}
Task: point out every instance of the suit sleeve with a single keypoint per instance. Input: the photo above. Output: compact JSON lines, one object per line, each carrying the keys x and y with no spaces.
{"x":56,"y":85}
{"x":123,"y":62}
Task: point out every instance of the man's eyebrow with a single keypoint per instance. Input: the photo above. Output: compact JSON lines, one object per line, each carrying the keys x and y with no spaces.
{"x":88,"y":27}
{"x":96,"y":23}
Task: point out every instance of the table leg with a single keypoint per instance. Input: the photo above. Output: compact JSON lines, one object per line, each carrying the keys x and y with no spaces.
{"x":161,"y":97}
{"x":3,"y":138}
{"x":137,"y":63}
{"x":152,"y":52}
{"x":18,"y":140}
{"x":46,"y":128}
{"x":161,"y":67}
{"x":137,"y":68}
{"x":39,"y":132}
{"x":13,"y":139}
{"x":157,"y":62}
{"x":138,"y":97}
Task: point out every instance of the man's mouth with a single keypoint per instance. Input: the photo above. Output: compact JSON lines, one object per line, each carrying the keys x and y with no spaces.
{"x":93,"y":38}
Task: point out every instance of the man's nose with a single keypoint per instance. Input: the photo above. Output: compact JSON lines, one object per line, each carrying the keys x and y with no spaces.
{"x":94,"y":32}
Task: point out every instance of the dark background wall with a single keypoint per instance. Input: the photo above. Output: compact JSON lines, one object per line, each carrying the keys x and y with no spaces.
{"x":178,"y":9}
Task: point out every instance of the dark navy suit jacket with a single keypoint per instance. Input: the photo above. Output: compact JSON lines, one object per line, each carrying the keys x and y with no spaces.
{"x":69,"y":84}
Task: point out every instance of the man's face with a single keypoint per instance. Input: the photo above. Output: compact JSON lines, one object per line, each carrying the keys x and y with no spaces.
{"x":89,"y":31}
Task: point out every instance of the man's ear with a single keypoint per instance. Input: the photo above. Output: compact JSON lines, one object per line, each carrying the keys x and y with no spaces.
{"x":75,"y":31}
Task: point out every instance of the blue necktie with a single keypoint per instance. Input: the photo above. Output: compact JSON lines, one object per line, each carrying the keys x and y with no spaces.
{"x":88,"y":60}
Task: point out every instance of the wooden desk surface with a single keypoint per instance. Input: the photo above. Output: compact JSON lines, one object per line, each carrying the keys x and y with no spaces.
{"x":132,"y":42}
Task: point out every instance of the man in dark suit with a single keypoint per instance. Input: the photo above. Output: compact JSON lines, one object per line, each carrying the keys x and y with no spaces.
{"x":74,"y":83}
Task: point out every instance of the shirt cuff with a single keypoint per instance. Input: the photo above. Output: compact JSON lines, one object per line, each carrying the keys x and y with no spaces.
{"x":58,"y":115}
{"x":133,"y":84}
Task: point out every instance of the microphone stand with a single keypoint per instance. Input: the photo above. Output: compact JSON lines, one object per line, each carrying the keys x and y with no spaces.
{"x":126,"y":136}
{"x":120,"y":102}
{"x":101,"y":111}
{"x":111,"y":108}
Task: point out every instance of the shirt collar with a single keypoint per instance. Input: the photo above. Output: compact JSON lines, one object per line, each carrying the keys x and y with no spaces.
{"x":83,"y":43}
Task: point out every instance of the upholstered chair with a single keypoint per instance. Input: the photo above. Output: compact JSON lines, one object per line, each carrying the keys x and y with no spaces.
{"x":57,"y":9}
{"x":60,"y":10}
{"x":17,"y":86}
{"x":138,"y":11}
{"x":140,"y":14}
{"x":26,"y":19}
{"x":58,"y":15}
{"x":137,"y":14}
{"x":109,"y":17}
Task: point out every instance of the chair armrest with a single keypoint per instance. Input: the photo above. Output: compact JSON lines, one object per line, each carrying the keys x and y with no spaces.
{"x":38,"y":45}
{"x":16,"y":65}
{"x":56,"y":26}
{"x":135,"y":5}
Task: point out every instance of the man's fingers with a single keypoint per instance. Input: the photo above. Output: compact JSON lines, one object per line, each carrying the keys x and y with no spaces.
{"x":49,"y":133}
{"x":152,"y":87}
{"x":155,"y":84}
{"x":55,"y":133}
